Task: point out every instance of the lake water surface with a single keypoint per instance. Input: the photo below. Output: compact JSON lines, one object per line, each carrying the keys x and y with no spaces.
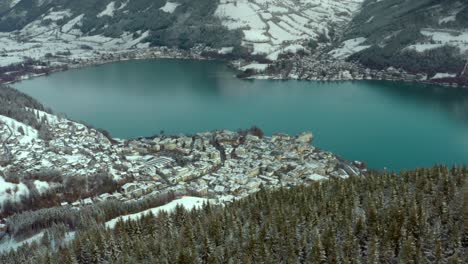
{"x":386,"y":124}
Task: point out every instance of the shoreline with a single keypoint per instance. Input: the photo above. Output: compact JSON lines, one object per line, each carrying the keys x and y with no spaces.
{"x":196,"y":53}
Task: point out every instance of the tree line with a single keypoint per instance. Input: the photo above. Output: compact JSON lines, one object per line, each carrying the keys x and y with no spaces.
{"x":413,"y":217}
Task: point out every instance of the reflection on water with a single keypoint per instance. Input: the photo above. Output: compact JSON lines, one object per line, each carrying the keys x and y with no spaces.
{"x":452,"y":100}
{"x":396,"y":125}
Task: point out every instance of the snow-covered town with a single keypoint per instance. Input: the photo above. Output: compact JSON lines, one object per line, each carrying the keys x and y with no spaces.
{"x":86,"y":178}
{"x":220,"y":164}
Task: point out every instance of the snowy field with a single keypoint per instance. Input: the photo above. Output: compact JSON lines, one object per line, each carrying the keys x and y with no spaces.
{"x":441,"y":38}
{"x":349,"y":47}
{"x":37,"y":41}
{"x":270,"y":27}
{"x":170,"y":7}
{"x":187,"y":202}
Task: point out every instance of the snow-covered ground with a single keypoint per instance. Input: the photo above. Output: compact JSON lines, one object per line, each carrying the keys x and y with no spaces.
{"x":443,"y":75}
{"x":14,"y":2}
{"x":41,"y":186}
{"x":317,"y":177}
{"x":29,"y":135}
{"x":443,"y":37}
{"x":8,"y":244}
{"x":255,"y":66}
{"x":11,"y":191}
{"x":109,"y":11}
{"x":270,"y":26}
{"x":37,"y":40}
{"x":451,"y":17}
{"x":187,"y":202}
{"x":349,"y":47}
{"x":170,"y":7}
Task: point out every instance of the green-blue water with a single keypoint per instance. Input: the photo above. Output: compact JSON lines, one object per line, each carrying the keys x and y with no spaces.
{"x":386,"y":124}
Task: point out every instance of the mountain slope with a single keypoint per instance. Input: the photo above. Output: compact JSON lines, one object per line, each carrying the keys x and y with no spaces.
{"x":273,"y":27}
{"x":428,"y":36}
{"x":266,"y":28}
{"x":181,"y":24}
{"x":426,"y":39}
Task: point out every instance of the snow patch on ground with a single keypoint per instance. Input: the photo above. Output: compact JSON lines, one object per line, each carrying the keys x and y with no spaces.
{"x":170,"y":7}
{"x":14,"y":2}
{"x":424,"y":47}
{"x":68,"y":26}
{"x":280,"y":35}
{"x":441,"y":38}
{"x":226,"y":50}
{"x":317,"y":177}
{"x":239,"y":14}
{"x":51,"y":119}
{"x":255,"y":35}
{"x":450,"y":18}
{"x":349,"y":47}
{"x":187,"y":202}
{"x":17,"y":128}
{"x":12,"y":191}
{"x":41,"y":186}
{"x":57,"y":15}
{"x":109,"y":11}
{"x":11,"y":243}
{"x":447,"y":19}
{"x":370,"y":19}
{"x":443,"y":75}
{"x":255,"y":66}
{"x":294,"y":48}
{"x":446,"y":36}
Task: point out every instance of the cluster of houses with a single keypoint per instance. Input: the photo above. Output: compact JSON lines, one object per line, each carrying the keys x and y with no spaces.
{"x":239,"y":166}
{"x":215,"y":164}
{"x":104,"y":56}
{"x":326,"y":68}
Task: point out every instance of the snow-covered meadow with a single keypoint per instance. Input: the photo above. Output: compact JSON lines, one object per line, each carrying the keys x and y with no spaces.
{"x":38,"y":40}
{"x":187,"y":202}
{"x":272,"y":27}
{"x":441,"y":38}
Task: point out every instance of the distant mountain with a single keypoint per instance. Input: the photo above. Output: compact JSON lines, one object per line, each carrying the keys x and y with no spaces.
{"x":180,"y":23}
{"x":264,"y":27}
{"x":419,"y":36}
{"x":425,"y":36}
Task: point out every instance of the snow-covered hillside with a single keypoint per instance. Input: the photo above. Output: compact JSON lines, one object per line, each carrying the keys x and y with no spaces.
{"x":273,"y":27}
{"x":437,"y":38}
{"x":30,"y":154}
{"x":187,"y":202}
{"x":269,"y":28}
{"x":340,"y":31}
{"x":38,"y":41}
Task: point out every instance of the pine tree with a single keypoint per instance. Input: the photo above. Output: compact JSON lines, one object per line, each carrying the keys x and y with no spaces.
{"x":408,"y":251}
{"x":318,"y":252}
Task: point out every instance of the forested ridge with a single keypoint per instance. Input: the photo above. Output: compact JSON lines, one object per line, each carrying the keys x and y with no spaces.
{"x":193,"y":22}
{"x":413,"y":217}
{"x":19,"y":106}
{"x":391,"y":26}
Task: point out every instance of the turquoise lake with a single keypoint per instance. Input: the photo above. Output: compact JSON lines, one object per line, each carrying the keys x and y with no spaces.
{"x":386,"y":124}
